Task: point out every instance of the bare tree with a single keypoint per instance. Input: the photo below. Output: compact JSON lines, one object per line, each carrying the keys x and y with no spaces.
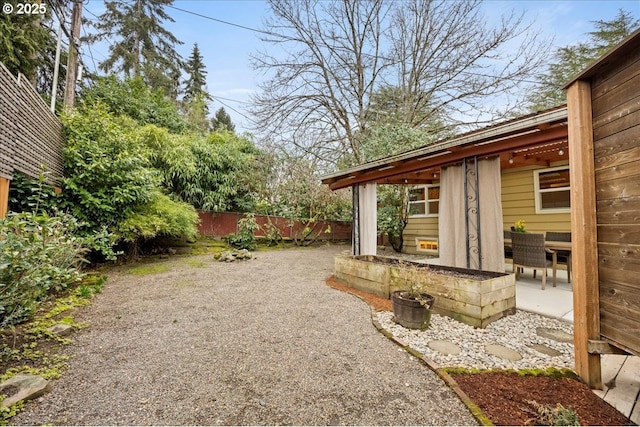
{"x":328,"y":59}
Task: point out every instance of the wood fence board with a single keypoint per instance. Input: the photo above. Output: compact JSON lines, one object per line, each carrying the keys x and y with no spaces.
{"x":630,"y":102}
{"x":619,"y":257}
{"x":621,"y":210}
{"x":627,"y":158}
{"x":622,"y":170}
{"x":619,"y":326}
{"x":628,"y":186}
{"x":616,"y":90}
{"x":620,"y":297}
{"x":625,"y":122}
{"x":621,"y":141}
{"x":619,"y":234}
{"x":608,"y":80}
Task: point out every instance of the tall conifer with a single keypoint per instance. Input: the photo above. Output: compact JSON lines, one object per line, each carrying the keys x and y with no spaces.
{"x":140,"y":45}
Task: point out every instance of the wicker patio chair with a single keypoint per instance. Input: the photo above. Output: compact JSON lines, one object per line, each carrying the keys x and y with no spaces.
{"x":529,"y":252}
{"x":508,"y":253}
{"x":564,"y":257}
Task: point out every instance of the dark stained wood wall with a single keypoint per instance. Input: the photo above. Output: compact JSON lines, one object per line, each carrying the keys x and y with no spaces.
{"x":615,"y":93}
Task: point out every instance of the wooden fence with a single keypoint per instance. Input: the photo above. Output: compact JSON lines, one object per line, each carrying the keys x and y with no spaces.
{"x":220,"y":224}
{"x":604,"y":144}
{"x":31,"y":136}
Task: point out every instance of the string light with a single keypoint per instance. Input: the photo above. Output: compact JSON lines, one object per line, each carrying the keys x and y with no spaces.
{"x":510,"y":158}
{"x":561,"y":151}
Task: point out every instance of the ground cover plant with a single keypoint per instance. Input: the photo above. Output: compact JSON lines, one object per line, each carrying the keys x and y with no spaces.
{"x":39,"y":255}
{"x":31,"y":348}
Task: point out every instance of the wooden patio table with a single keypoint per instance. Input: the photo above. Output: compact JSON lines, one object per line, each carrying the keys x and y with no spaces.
{"x":549,"y":244}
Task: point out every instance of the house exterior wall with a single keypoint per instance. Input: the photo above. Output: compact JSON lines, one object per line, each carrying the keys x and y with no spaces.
{"x":518,"y":202}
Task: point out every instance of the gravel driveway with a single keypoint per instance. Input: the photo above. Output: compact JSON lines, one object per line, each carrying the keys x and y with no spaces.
{"x":258,"y":342}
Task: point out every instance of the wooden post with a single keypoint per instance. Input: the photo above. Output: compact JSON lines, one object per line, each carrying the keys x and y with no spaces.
{"x":72,"y":60}
{"x":4,"y":197}
{"x":584,"y":246}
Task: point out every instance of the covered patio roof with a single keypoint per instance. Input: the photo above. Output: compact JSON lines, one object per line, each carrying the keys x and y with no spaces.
{"x":535,"y":139}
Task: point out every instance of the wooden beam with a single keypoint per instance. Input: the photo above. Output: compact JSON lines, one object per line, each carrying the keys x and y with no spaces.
{"x":603,"y":347}
{"x":4,"y":197}
{"x":584,"y":245}
{"x":471,"y":150}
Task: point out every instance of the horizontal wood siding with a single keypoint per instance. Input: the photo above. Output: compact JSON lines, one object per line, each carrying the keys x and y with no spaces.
{"x":616,"y":131}
{"x":518,"y":202}
{"x":419,"y":227}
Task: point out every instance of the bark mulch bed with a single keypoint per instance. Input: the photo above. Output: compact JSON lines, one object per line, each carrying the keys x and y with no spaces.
{"x":508,"y":398}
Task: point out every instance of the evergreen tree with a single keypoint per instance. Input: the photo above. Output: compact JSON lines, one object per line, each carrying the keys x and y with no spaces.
{"x":141,"y":45}
{"x":196,"y":97}
{"x":195,"y":84}
{"x":571,"y":60}
{"x":222,"y":120}
{"x":22,"y":37}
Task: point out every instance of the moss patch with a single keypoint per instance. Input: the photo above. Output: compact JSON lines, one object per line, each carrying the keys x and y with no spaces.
{"x":149,"y":269}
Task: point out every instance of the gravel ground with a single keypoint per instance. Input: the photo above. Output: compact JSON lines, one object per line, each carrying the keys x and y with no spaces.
{"x":517,"y":332}
{"x":259,"y":342}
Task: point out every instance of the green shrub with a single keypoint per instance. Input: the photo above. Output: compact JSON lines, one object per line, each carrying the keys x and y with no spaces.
{"x":108,"y":172}
{"x":160,"y":217}
{"x":28,"y":194}
{"x":558,"y":415}
{"x":272,"y":234}
{"x":245,"y":239}
{"x":38,"y":254}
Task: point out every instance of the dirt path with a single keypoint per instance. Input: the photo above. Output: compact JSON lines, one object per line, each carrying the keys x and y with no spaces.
{"x":259,"y":342}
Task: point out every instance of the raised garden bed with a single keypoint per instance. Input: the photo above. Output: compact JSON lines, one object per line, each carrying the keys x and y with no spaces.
{"x":474,"y":297}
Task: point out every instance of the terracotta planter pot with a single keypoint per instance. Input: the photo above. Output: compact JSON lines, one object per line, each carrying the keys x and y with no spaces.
{"x":409,"y":312}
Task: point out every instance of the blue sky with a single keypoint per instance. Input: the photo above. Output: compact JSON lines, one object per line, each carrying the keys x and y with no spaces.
{"x":226,"y":48}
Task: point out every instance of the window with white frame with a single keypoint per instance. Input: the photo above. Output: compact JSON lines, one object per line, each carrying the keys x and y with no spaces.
{"x":553,"y":190}
{"x":424,"y":200}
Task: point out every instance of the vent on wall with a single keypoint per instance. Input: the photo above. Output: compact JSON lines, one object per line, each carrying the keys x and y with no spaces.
{"x":427,"y":244}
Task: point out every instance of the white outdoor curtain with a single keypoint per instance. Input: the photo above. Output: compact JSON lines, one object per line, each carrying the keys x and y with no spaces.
{"x":453,"y":219}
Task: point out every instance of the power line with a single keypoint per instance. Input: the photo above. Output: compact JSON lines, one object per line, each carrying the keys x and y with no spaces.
{"x":244,"y":27}
{"x":233,"y":109}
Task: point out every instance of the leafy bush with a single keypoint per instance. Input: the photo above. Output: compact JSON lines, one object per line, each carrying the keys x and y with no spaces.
{"x":108,"y":172}
{"x":245,"y":239}
{"x":133,"y":98}
{"x":111,"y":184}
{"x":216,"y":173}
{"x":393,"y":215}
{"x":28,"y":194}
{"x":272,"y":234}
{"x":38,"y":254}
{"x":162,"y":216}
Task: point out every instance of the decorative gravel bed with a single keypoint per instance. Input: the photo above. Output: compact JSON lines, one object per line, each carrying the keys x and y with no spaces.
{"x":517,"y":332}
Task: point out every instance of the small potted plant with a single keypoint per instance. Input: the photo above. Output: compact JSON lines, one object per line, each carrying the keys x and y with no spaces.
{"x":519,"y":227}
{"x":412,"y":307}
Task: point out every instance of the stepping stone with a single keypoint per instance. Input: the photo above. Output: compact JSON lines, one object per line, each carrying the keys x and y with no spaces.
{"x":62,"y":330}
{"x":502,"y":352}
{"x":23,"y":387}
{"x":444,"y":347}
{"x":554,"y":334}
{"x":546,"y":350}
